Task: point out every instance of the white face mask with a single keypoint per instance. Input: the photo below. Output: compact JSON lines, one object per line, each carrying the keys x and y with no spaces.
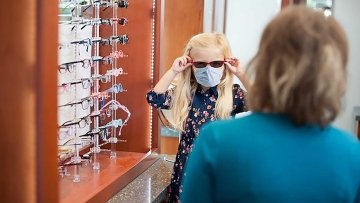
{"x":208,"y":76}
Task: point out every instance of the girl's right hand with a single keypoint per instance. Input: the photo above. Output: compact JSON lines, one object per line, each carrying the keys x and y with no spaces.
{"x":181,"y":64}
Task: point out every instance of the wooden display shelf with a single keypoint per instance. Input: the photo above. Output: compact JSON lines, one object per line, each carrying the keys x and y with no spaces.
{"x":114,"y":175}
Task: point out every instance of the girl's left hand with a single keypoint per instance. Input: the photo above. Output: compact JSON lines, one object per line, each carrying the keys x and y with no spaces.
{"x":233,"y":64}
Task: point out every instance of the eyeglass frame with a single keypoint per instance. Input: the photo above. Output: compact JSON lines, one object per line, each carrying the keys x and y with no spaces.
{"x":90,"y":102}
{"x":211,"y":63}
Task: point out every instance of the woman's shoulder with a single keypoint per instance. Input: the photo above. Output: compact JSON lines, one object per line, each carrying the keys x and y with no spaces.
{"x":342,"y":136}
{"x":233,"y":124}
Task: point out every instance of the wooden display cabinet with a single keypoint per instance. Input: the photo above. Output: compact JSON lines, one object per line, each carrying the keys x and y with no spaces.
{"x":28,"y":141}
{"x":139,"y":137}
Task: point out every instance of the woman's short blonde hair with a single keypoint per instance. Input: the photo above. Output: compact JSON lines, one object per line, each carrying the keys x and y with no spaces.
{"x":300,"y":67}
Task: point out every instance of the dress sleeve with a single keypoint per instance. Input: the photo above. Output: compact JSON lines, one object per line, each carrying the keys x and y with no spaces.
{"x":239,"y":100}
{"x":199,"y":176}
{"x":160,"y":101}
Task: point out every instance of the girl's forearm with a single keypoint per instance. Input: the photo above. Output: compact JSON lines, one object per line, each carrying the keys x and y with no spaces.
{"x":165,"y":81}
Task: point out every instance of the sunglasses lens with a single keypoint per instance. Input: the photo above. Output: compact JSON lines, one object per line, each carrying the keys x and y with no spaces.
{"x":216,"y":64}
{"x":199,"y":64}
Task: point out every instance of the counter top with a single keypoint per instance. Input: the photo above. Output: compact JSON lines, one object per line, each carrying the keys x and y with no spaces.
{"x":150,"y":186}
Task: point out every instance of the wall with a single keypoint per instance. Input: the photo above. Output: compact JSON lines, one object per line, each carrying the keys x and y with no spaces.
{"x":245,"y":21}
{"x":214,"y":15}
{"x":346,"y":12}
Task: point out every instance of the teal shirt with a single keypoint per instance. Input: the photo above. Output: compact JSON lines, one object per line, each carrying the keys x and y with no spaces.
{"x":266,"y":158}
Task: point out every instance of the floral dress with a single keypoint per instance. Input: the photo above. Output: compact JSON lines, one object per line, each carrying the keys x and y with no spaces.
{"x":201,"y":110}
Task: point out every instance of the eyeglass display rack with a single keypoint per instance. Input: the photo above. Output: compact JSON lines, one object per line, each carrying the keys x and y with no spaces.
{"x":106,"y":60}
{"x":77,"y":24}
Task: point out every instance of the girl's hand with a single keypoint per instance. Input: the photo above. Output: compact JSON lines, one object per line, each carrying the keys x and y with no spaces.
{"x":181,"y":64}
{"x":233,"y":64}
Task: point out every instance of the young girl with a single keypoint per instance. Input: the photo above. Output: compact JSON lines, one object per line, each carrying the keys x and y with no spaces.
{"x":203,"y":91}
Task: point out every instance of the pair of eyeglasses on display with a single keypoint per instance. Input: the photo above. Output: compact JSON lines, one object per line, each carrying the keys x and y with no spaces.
{"x":64,"y":132}
{"x":67,"y":67}
{"x":111,"y":21}
{"x":115,"y":72}
{"x":89,"y":22}
{"x":103,"y":114}
{"x":104,"y":60}
{"x":105,"y":4}
{"x":72,"y":5}
{"x":85,"y":63}
{"x":107,"y":77}
{"x":65,"y":87}
{"x":70,"y":66}
{"x":102,"y":78}
{"x":112,"y":106}
{"x":101,"y":96}
{"x":85,"y":103}
{"x":123,"y":4}
{"x":87,"y":42}
{"x":122,"y":39}
{"x":99,"y":21}
{"x":118,"y":54}
{"x":116,"y":88}
{"x":114,"y":123}
{"x":81,"y":122}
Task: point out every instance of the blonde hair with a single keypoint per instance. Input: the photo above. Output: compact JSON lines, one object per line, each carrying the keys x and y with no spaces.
{"x":185,"y":83}
{"x":300,"y":67}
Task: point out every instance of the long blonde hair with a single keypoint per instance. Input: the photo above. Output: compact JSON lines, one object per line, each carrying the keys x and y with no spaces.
{"x":185,"y":83}
{"x":300,"y":68}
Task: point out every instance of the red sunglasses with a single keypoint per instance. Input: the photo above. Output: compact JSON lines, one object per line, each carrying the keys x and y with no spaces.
{"x":214,"y":64}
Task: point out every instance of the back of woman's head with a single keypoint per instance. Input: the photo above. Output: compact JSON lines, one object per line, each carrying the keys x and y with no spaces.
{"x":300,"y":67}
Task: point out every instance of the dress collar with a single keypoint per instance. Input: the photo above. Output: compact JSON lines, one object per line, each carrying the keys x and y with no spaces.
{"x":210,"y":91}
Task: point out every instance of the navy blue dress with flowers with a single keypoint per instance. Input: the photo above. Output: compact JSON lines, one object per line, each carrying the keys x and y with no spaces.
{"x":201,"y":111}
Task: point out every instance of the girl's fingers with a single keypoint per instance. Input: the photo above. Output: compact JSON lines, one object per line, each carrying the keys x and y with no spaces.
{"x":228,"y":65}
{"x":189,"y":59}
